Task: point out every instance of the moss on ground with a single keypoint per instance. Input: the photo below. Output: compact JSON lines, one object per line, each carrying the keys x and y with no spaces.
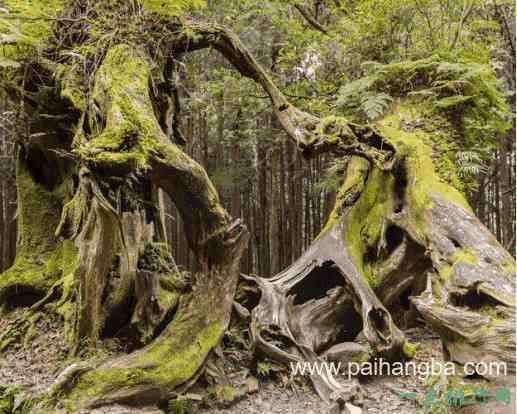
{"x":409,"y":349}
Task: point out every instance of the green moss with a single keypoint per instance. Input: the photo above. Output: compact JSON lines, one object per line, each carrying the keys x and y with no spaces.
{"x":71,"y":88}
{"x":461,"y":90}
{"x":65,"y":306}
{"x":41,"y":258}
{"x":409,"y":349}
{"x":509,"y":267}
{"x":415,"y":142}
{"x":365,"y":222}
{"x":40,"y":272}
{"x":169,"y":361}
{"x":445,"y":271}
{"x":172,"y":7}
{"x":30,"y":23}
{"x":228,"y":394}
{"x":167,"y":298}
{"x":187,"y":356}
{"x":131,"y":130}
{"x":464,"y":96}
{"x":416,"y":147}
{"x":32,"y":331}
{"x":38,"y":208}
{"x":356,"y":172}
{"x":185,"y":404}
{"x":328,"y":127}
{"x":463,"y":255}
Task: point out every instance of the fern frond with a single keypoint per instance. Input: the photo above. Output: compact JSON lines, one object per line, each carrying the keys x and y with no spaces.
{"x":374,"y":106}
{"x":469,"y":163}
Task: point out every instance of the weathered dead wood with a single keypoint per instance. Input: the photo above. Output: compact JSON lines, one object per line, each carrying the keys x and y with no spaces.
{"x":173,"y":360}
{"x":176,"y":357}
{"x":473,"y":307}
{"x":311,"y":134}
{"x":347,"y":307}
{"x":136,"y":232}
{"x":348,"y":351}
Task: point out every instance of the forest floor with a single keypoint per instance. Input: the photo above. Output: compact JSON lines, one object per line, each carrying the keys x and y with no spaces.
{"x":36,"y":361}
{"x":382,"y":394}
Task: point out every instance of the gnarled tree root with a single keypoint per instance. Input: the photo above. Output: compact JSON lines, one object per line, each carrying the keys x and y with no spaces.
{"x":174,"y":359}
{"x":470,"y":287}
{"x":317,"y":302}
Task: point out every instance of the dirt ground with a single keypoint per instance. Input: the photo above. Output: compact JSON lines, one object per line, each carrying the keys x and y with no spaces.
{"x":382,"y":393}
{"x":36,"y":361}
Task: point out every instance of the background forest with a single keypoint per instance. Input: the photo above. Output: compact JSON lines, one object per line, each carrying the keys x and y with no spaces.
{"x":312,"y":49}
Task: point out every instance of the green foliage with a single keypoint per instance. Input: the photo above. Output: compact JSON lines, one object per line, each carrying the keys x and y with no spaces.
{"x":8,"y":399}
{"x":370,"y":103}
{"x":390,"y":30}
{"x":236,"y":337}
{"x":374,"y":106}
{"x":8,"y":63}
{"x":157,"y":259}
{"x":24,"y":26}
{"x":185,"y":404}
{"x":452,"y":101}
{"x":467,"y":94}
{"x":467,"y":89}
{"x":469,"y":164}
{"x":310,"y":67}
{"x":333,"y":175}
{"x":267,"y":368}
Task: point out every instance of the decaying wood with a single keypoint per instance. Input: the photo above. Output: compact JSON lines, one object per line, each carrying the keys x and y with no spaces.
{"x":458,"y":308}
{"x":480,"y":278}
{"x":348,"y":351}
{"x":311,"y":134}
{"x":177,"y":355}
{"x":320,"y":300}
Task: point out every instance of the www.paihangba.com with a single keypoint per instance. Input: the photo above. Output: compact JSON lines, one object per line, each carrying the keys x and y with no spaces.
{"x":380,"y":367}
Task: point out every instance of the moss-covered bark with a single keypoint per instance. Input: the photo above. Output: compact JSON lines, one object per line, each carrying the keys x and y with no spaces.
{"x":469,"y":274}
{"x":41,"y":257}
{"x":128,"y":138}
{"x":174,"y":359}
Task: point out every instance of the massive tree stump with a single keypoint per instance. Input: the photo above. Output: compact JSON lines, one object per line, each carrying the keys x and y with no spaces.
{"x":394,"y":233}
